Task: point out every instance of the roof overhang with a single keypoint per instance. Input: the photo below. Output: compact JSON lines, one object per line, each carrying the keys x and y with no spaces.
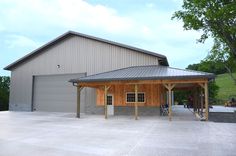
{"x":144,"y":78}
{"x":146,"y":74}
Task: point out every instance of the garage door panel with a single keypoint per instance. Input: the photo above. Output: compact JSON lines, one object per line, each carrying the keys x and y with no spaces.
{"x":54,"y":93}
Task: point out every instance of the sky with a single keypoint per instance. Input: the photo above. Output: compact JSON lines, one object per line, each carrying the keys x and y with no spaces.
{"x":26,"y":25}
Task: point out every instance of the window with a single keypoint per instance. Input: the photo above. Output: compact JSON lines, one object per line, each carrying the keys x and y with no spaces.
{"x":109,"y":100}
{"x":141,"y":97}
{"x":130,"y":97}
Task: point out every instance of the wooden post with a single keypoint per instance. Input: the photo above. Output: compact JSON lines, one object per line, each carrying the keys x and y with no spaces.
{"x":198,"y":100}
{"x":206,"y":101}
{"x":169,"y":87}
{"x":162,"y":100}
{"x":136,"y":101}
{"x":105,"y":101}
{"x":201,"y":101}
{"x":195,"y":99}
{"x":202,"y":87}
{"x":169,"y":101}
{"x":78,"y":101}
{"x":193,"y":95}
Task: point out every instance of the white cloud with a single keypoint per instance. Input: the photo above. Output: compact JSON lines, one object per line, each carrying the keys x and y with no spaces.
{"x":1,"y":28}
{"x":17,"y":41}
{"x":174,"y":31}
{"x":150,"y":5}
{"x":69,"y":14}
{"x":146,"y":31}
{"x":151,"y":29}
{"x":79,"y":12}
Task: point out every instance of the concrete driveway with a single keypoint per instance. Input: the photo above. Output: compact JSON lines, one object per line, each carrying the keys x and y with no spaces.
{"x":60,"y":134}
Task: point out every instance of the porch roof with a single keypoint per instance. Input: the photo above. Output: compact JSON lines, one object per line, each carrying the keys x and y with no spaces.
{"x":151,"y":72}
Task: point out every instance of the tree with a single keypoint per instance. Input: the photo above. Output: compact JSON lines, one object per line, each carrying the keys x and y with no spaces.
{"x":209,"y":66}
{"x":182,"y":95}
{"x":213,"y":89}
{"x":215,"y":18}
{"x":220,"y":55}
{"x":206,"y":67}
{"x":4,"y":92}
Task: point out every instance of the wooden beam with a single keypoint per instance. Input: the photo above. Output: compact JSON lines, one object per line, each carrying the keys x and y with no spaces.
{"x":201,"y":101}
{"x":166,"y":86}
{"x":133,"y":82}
{"x":108,"y":87}
{"x":136,"y":101}
{"x":202,"y":85}
{"x":198,"y":100}
{"x":183,"y":81}
{"x":79,"y":88}
{"x":169,"y":102}
{"x":105,"y":100}
{"x":172,"y":86}
{"x":194,"y":99}
{"x":206,"y":101}
{"x":161,"y":95}
{"x":169,"y":87}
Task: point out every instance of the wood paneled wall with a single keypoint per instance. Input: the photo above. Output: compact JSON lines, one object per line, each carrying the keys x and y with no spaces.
{"x":153,"y":94}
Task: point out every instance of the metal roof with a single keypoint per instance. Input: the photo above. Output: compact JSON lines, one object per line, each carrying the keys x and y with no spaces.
{"x":163,"y":59}
{"x":152,"y":72}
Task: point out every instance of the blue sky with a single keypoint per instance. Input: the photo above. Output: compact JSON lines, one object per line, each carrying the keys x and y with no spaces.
{"x":26,"y":25}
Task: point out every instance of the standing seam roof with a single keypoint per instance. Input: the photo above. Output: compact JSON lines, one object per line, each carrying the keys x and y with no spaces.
{"x":145,"y":73}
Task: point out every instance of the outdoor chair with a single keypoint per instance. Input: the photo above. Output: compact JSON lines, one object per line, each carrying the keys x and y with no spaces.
{"x":164,"y":110}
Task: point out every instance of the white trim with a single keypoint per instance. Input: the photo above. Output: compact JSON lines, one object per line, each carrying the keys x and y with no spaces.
{"x":110,"y":108}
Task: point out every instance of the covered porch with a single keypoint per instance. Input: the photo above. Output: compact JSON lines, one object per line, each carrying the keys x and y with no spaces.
{"x":145,"y":87}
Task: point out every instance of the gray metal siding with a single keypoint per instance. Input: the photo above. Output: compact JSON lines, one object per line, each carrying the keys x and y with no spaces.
{"x":74,"y":55}
{"x":53,"y":93}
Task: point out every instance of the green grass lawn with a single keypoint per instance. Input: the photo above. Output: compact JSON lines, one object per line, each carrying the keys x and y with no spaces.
{"x":227,"y":86}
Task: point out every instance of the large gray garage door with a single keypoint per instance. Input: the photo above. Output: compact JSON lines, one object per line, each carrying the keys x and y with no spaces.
{"x":53,"y":93}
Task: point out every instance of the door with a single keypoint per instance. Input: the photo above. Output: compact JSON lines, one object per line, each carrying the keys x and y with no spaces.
{"x":110,"y":104}
{"x":53,"y":93}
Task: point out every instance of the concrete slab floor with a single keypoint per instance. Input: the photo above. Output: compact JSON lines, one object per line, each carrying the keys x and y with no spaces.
{"x":60,"y":134}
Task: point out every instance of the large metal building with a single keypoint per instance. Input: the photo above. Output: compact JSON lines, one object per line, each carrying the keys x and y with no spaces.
{"x":39,"y":81}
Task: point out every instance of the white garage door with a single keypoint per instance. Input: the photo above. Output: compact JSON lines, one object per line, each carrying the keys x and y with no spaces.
{"x":54,"y":93}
